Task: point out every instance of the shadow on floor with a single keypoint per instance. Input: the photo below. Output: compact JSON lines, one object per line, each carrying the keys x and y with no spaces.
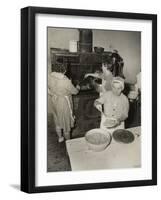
{"x":15,"y":186}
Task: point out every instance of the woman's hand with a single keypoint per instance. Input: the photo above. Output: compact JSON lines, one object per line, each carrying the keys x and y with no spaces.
{"x":118,"y":122}
{"x":78,"y":87}
{"x":98,"y":106}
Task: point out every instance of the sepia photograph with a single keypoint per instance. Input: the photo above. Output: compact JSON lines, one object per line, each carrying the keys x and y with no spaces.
{"x":94,"y":99}
{"x":89,"y":111}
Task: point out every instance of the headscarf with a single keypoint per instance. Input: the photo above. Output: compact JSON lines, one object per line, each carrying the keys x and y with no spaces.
{"x":118,"y":79}
{"x":60,"y":67}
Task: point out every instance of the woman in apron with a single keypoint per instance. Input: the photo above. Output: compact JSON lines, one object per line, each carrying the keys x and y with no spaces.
{"x":61,"y":90}
{"x":115,"y":106}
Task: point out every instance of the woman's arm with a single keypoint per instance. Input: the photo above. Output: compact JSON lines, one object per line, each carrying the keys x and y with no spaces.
{"x":95,"y":75}
{"x":70,"y":87}
{"x":49,"y":92}
{"x":98,"y":103}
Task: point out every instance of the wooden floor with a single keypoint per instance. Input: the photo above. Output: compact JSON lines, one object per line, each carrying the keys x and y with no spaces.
{"x":57,"y":158}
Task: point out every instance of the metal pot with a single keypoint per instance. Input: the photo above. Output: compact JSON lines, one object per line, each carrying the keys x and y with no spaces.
{"x":99,"y":49}
{"x":97,"y":85}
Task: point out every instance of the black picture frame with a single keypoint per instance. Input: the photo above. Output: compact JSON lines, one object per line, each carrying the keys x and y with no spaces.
{"x":28,"y":98}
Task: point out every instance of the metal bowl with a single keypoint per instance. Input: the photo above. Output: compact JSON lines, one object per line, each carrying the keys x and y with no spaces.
{"x":98,"y":139}
{"x":98,"y":87}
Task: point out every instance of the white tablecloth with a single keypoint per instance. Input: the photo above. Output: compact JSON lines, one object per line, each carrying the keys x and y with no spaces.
{"x":116,"y":155}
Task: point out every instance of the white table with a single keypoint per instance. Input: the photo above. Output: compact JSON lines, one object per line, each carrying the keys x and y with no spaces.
{"x":116,"y":155}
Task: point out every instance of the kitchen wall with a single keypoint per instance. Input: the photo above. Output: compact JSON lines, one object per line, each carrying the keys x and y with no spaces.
{"x":128,"y":45}
{"x":59,"y":38}
{"x":126,"y":42}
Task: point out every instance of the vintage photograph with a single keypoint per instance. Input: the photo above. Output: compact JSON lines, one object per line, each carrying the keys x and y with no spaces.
{"x":94,"y":99}
{"x":88,"y":99}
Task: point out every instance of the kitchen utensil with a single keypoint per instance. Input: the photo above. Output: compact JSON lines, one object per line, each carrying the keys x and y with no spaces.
{"x":98,"y":139}
{"x":124,"y":136}
{"x":110,"y":122}
{"x":97,"y":84}
{"x":99,"y":49}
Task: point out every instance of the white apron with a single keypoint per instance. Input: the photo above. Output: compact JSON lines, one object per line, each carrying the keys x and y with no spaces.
{"x":61,"y":122}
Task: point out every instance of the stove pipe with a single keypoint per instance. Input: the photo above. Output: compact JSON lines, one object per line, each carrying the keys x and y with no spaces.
{"x":85,"y":40}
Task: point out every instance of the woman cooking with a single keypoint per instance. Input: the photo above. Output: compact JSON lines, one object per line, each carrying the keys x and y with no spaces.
{"x":61,"y":89}
{"x":114,"y":106}
{"x":106,"y":76}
